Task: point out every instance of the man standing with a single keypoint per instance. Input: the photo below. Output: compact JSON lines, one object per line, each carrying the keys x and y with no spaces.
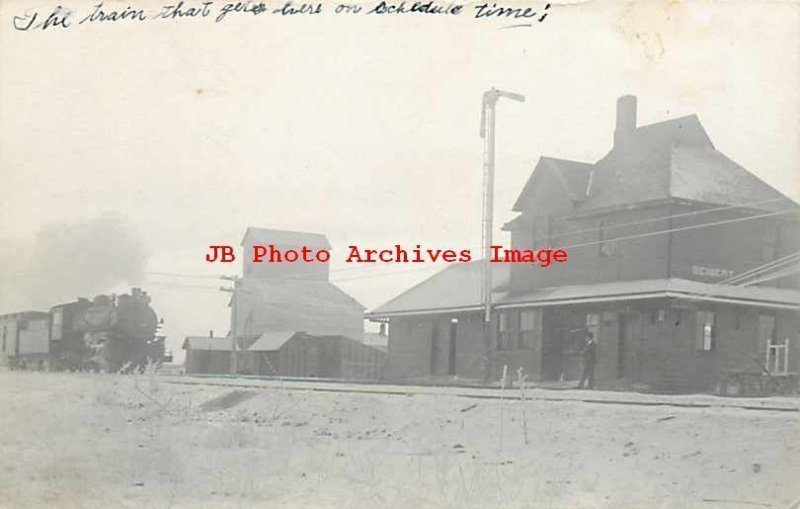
{"x":589,"y":353}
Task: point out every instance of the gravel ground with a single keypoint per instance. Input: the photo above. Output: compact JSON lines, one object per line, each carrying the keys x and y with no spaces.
{"x":89,"y":441}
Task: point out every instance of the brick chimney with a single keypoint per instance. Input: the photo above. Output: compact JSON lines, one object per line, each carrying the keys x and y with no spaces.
{"x":626,"y":119}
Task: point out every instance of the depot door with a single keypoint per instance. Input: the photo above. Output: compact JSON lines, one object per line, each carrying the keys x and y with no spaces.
{"x":624,"y":346}
{"x":442,"y":349}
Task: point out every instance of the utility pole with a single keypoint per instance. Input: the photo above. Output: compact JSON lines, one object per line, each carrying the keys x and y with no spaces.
{"x":234,"y":321}
{"x":488,"y":126}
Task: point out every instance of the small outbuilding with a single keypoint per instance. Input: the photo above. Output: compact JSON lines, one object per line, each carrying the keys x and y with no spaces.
{"x":300,"y":354}
{"x":207,"y":354}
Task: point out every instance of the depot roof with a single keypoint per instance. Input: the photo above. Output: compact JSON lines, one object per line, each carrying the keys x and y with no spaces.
{"x":669,"y":160}
{"x":456,"y":288}
{"x":656,"y":288}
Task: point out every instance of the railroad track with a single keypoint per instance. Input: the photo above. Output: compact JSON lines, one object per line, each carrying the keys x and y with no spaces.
{"x":784,"y":405}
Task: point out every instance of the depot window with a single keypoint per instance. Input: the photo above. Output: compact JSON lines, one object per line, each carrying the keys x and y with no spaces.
{"x":605,"y":245}
{"x":506,"y":328}
{"x":770,"y":247}
{"x":766,"y":330}
{"x":705,"y":331}
{"x":593,"y":325}
{"x":527,"y":326}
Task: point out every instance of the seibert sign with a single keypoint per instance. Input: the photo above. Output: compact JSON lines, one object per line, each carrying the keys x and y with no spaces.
{"x":711,"y":272}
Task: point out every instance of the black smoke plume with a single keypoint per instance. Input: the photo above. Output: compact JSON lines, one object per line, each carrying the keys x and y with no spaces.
{"x":66,"y":260}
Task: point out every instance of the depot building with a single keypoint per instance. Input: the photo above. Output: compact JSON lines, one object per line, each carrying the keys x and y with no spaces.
{"x":682,"y":263}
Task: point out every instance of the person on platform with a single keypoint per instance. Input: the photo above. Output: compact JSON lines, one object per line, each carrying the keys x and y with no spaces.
{"x":589,"y":353}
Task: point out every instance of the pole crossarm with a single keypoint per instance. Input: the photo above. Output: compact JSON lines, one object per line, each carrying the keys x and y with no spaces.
{"x":490,"y":98}
{"x":487,"y":131}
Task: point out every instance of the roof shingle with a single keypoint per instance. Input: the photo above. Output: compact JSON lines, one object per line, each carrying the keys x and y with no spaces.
{"x":458,"y":286}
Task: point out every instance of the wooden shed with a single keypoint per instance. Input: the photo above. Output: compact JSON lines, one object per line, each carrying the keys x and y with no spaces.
{"x":299,"y":354}
{"x":208,"y":355}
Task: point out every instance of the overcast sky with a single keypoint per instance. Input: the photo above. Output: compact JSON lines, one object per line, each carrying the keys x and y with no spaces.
{"x":362,"y":128}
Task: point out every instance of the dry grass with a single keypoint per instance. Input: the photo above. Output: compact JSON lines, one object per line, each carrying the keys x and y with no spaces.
{"x":118,"y":441}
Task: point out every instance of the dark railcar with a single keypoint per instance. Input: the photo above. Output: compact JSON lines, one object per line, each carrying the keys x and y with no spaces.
{"x":108,"y":333}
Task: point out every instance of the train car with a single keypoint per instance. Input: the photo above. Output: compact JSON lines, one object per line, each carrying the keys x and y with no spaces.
{"x":24,"y":340}
{"x":110,"y":333}
{"x":68,"y":350}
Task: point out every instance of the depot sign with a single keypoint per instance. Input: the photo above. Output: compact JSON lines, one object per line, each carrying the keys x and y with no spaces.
{"x":711,"y":272}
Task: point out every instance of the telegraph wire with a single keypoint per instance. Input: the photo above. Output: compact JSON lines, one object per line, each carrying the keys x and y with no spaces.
{"x":682,"y":228}
{"x":179,"y":274}
{"x":584,"y":244}
{"x":673,"y":216}
{"x":565,"y":234}
{"x":630,"y":237}
{"x":756,"y":271}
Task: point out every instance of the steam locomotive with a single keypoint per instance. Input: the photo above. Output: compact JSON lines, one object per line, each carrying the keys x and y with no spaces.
{"x":109,"y":333}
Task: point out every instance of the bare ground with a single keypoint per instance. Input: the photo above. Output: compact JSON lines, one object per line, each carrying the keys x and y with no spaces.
{"x":106,"y":441}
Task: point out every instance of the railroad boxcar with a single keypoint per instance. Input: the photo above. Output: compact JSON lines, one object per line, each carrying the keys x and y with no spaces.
{"x":24,"y":340}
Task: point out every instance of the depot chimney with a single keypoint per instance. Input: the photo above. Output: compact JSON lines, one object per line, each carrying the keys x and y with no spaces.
{"x":626,"y":119}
